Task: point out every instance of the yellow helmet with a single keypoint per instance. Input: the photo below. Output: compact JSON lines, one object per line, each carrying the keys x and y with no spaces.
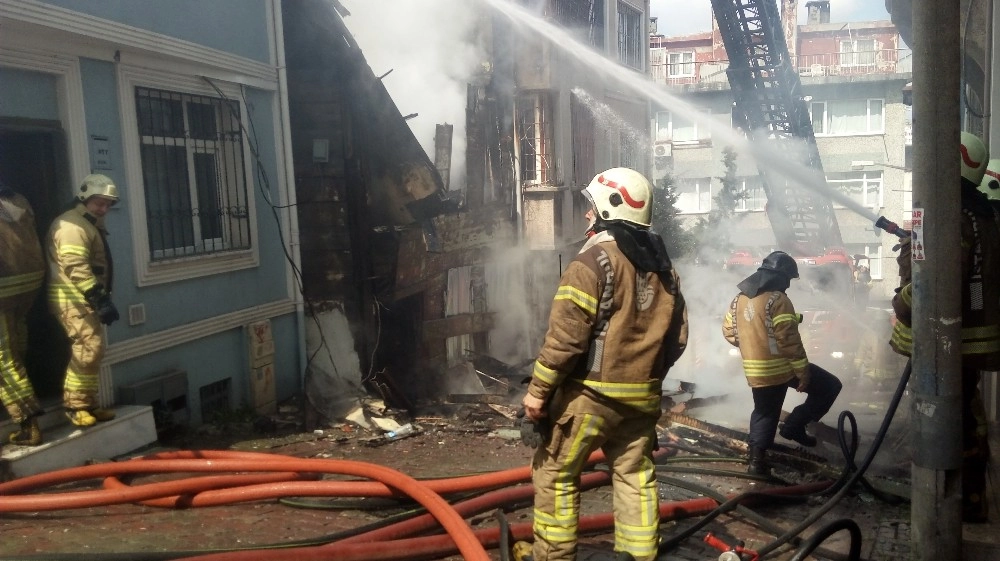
{"x":97,"y":184}
{"x":991,"y":181}
{"x":621,"y":194}
{"x":974,"y":158}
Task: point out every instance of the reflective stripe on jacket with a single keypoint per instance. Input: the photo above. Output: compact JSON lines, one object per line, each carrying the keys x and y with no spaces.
{"x":612,"y":328}
{"x":766,"y":330}
{"x":22,"y":266}
{"x":77,"y":258}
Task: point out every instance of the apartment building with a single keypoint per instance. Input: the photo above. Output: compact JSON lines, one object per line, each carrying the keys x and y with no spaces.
{"x":853,"y":77}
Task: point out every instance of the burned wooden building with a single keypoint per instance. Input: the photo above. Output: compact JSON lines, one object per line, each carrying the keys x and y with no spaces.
{"x":405,"y":280}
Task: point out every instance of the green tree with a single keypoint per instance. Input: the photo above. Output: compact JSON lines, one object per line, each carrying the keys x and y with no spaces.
{"x":678,"y":241}
{"x":711,"y":234}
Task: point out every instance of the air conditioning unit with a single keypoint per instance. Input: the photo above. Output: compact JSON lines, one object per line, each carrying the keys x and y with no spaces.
{"x":662,"y":150}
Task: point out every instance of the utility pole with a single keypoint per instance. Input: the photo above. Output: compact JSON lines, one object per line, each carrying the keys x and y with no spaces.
{"x":936,"y":419}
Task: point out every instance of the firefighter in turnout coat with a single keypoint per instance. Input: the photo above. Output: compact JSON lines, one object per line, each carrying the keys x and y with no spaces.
{"x":80,"y":275}
{"x":762,"y":322}
{"x":980,"y":320}
{"x":22,"y":270}
{"x":617,"y":324}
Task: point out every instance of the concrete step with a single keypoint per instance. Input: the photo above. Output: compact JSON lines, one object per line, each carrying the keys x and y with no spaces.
{"x":66,"y":445}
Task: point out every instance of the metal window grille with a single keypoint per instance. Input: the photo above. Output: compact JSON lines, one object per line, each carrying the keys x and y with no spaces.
{"x":193,"y":172}
{"x":584,"y":130}
{"x":583,"y":18}
{"x":631,"y":34}
{"x":214,"y":399}
{"x":534,"y":137}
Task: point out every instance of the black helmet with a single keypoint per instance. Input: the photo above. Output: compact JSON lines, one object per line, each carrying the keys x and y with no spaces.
{"x":780,"y":262}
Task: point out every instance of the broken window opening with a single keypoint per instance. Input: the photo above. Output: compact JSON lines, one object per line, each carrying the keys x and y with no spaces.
{"x":535,"y":137}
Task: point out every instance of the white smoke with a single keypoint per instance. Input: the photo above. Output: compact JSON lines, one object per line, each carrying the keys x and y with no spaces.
{"x":427,"y":48}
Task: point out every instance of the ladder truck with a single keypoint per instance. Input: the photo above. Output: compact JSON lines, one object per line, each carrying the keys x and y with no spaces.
{"x":768,"y":96}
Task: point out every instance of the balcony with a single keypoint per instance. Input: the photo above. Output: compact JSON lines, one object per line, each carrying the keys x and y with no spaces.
{"x":859,"y":63}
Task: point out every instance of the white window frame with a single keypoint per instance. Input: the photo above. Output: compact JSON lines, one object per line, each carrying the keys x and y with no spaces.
{"x":701,"y":135}
{"x":874,"y":123}
{"x":873,"y":251}
{"x":631,"y":50}
{"x":680,"y":68}
{"x":148,"y":271}
{"x":872,"y":184}
{"x":658,"y":64}
{"x":702,"y":187}
{"x":750,"y":185}
{"x":857,"y":52}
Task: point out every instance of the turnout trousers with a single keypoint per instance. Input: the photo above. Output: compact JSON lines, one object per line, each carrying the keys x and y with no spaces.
{"x":86,"y":335}
{"x":822,"y":391}
{"x":580,"y":425}
{"x":16,"y":392}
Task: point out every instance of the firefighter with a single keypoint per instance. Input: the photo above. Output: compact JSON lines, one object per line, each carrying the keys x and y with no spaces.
{"x":22,"y":270}
{"x":980,"y":320}
{"x":762,"y":322}
{"x":80,"y":282}
{"x":618,"y":322}
{"x":990,"y":185}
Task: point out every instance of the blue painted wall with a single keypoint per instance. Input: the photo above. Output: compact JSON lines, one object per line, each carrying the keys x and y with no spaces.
{"x":234,"y":26}
{"x":26,"y":94}
{"x":238,"y":27}
{"x":218,"y":357}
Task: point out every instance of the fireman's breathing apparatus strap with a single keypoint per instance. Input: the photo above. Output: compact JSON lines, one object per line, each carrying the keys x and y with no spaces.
{"x":772,"y":343}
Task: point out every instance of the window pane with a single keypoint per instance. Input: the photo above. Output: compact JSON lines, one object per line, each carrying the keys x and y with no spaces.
{"x":818,"y":110}
{"x":201,"y":120}
{"x":160,"y":113}
{"x":208,"y":211}
{"x":848,"y":116}
{"x":684,"y":130}
{"x":168,"y":198}
{"x":876,"y":119}
{"x":663,"y":125}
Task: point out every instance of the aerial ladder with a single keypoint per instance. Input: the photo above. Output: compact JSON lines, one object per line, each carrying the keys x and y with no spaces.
{"x":768,"y":95}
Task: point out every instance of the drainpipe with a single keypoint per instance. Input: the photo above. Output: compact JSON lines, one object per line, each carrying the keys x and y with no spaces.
{"x":292,"y":216}
{"x":935,"y":513}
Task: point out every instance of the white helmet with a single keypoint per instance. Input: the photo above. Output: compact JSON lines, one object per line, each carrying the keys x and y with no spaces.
{"x":974,"y":158}
{"x":991,"y":181}
{"x":97,"y":184}
{"x":621,"y":194}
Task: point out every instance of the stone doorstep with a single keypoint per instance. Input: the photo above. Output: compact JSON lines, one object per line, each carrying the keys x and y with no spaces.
{"x":68,"y":446}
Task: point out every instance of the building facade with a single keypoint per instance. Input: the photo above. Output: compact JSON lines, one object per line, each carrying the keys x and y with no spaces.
{"x":182,"y":105}
{"x":852,"y":76}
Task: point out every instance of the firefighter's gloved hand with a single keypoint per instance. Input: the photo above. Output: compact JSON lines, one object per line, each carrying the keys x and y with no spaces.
{"x":100,"y":300}
{"x":533,"y":433}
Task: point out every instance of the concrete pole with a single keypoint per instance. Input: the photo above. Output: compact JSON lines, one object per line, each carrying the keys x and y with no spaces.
{"x":935,"y":511}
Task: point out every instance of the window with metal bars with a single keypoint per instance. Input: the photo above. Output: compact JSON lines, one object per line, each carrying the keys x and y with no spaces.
{"x":194,"y":174}
{"x":631,"y":36}
{"x":535,"y":137}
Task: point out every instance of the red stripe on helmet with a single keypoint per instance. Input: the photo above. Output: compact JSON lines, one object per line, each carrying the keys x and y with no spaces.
{"x":993,"y":174}
{"x":968,"y":159}
{"x":621,"y":189}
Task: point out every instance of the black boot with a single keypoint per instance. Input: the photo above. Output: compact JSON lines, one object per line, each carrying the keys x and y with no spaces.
{"x":798,"y":434}
{"x":757,"y":461}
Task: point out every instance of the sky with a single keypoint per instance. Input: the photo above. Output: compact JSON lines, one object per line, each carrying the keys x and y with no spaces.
{"x":681,"y":17}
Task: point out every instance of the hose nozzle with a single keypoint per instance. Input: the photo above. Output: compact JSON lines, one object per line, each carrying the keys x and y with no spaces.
{"x":891,"y":227}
